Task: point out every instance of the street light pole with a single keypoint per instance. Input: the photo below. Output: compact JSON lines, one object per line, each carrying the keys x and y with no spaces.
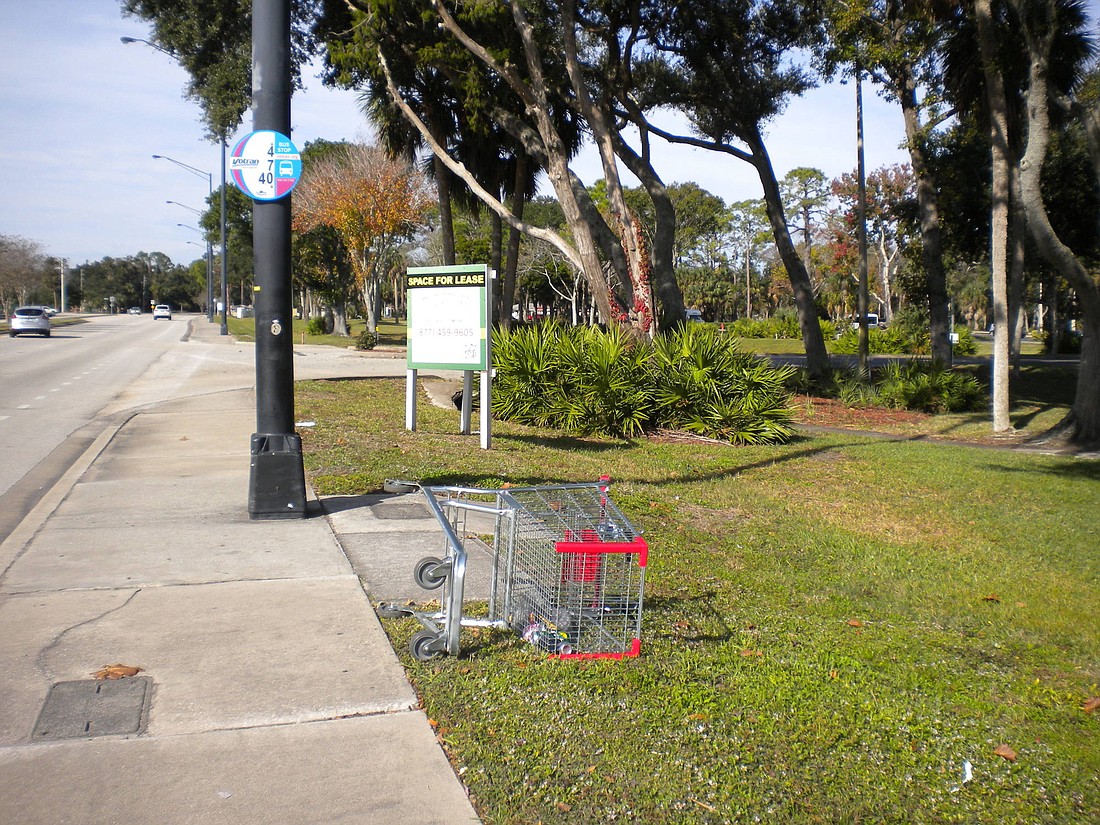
{"x":210,"y":176}
{"x":209,"y":265}
{"x":225,"y":257}
{"x":208,"y":252}
{"x":210,"y":187}
{"x":277,"y":482}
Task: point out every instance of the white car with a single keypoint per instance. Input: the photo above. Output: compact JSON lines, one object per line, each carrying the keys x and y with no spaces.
{"x":29,"y":320}
{"x":162,"y":311}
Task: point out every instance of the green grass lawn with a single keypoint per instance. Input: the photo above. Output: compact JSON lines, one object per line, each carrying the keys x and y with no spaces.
{"x":390,"y":333}
{"x":838,"y":630}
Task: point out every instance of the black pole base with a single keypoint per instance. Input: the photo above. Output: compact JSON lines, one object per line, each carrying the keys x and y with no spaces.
{"x":277,"y":483}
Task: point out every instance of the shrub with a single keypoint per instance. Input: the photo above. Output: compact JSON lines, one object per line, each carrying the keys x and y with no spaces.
{"x":966,"y":345}
{"x":749,"y":328}
{"x":784,"y":324}
{"x":366,"y":340}
{"x":929,"y":387}
{"x":315,"y":326}
{"x":907,"y":335}
{"x":889,"y":341}
{"x":854,"y":392}
{"x":1069,"y":343}
{"x":706,"y":385}
{"x":586,"y":380}
{"x":604,"y":383}
{"x":528,"y":386}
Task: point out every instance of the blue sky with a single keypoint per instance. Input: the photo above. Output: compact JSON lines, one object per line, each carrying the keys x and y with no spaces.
{"x":83,"y":114}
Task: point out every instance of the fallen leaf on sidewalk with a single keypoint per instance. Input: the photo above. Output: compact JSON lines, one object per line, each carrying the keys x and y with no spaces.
{"x":1006,"y":752}
{"x":117,"y":671}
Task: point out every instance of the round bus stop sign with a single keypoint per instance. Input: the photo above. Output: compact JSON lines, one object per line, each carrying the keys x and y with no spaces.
{"x":266,"y":165}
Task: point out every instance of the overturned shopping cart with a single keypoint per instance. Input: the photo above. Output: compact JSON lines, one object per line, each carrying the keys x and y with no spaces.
{"x":568,"y":570}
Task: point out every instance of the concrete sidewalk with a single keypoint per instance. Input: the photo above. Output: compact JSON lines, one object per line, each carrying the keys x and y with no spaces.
{"x":268,"y":692}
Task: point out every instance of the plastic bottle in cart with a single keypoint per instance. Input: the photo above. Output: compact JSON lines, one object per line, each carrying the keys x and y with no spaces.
{"x":610,"y":531}
{"x":546,"y":638}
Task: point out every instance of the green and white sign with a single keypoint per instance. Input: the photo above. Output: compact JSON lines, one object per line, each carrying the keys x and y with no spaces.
{"x":448,"y":317}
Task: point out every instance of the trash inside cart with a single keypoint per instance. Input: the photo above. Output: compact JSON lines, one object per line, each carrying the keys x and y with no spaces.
{"x":568,"y":570}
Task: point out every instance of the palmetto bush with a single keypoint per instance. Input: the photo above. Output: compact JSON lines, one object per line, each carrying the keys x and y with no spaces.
{"x":605,"y":383}
{"x":890,"y":341}
{"x":527,"y":380}
{"x":706,"y":385}
{"x":572,"y":378}
{"x":586,"y":380}
{"x":929,"y":387}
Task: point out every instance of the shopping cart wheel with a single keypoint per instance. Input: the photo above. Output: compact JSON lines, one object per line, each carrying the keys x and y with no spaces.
{"x":431,"y":572}
{"x":426,"y":645}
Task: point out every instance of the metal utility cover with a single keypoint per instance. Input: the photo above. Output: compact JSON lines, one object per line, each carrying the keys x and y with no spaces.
{"x":87,"y":708}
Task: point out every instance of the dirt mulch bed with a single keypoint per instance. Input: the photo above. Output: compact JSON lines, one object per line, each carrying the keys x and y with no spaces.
{"x":829,"y":412}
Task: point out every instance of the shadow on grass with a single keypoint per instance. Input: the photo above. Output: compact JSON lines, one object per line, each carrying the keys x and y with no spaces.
{"x":691,"y":619}
{"x":1087,"y":470}
{"x":567,"y":442}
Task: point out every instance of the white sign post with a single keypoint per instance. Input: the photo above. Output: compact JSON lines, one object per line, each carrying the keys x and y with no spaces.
{"x":449,"y":324}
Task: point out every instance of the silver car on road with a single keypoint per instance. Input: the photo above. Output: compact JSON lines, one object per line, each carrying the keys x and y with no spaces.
{"x":29,"y":320}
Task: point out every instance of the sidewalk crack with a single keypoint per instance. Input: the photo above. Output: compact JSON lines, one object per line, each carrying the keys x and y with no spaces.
{"x":40,"y":660}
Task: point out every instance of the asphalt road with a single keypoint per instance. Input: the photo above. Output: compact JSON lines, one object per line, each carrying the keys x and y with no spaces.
{"x":55,"y":392}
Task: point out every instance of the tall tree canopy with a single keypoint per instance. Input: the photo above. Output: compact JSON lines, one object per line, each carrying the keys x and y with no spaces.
{"x":372,"y":201}
{"x":212,"y":40}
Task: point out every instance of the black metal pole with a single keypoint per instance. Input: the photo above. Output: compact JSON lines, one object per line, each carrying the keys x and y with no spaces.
{"x":225,"y":255}
{"x":277,"y":486}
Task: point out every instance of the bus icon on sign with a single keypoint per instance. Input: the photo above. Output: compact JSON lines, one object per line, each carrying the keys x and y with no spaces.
{"x":286,"y":169}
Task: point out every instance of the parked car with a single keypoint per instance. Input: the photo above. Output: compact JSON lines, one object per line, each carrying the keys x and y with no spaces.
{"x":872,"y":321}
{"x":693,"y":316}
{"x":29,"y":320}
{"x":162,"y":311}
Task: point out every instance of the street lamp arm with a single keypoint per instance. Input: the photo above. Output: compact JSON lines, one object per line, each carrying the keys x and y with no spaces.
{"x":188,"y":208}
{"x":208,"y":175}
{"x":148,"y":43}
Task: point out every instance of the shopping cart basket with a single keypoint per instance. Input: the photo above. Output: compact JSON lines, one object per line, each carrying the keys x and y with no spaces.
{"x":568,"y":570}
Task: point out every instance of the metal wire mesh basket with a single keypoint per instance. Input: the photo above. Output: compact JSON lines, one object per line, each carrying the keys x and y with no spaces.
{"x":573,"y":573}
{"x":568,"y":570}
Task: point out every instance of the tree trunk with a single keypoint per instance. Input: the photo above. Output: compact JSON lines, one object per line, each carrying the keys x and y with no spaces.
{"x":931,"y":237}
{"x":1083,"y":421}
{"x":340,"y":319}
{"x":670,"y":300}
{"x":446,"y":220}
{"x":888,"y":262}
{"x":817,"y":358}
{"x":582,"y":252}
{"x":1017,"y":233}
{"x":998,"y":134}
{"x":507,"y":283}
{"x":598,"y":120}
